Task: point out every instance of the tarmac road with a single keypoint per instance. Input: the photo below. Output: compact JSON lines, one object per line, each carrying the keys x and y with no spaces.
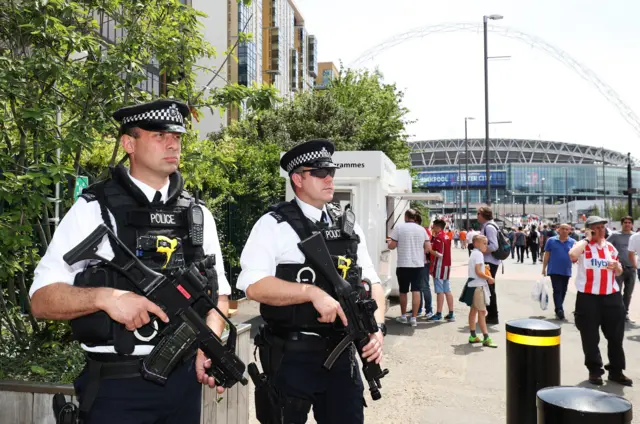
{"x":437,"y":377}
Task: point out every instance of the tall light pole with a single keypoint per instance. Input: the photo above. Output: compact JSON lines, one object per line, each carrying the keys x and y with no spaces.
{"x":466,"y":165}
{"x":543,"y":202}
{"x":485,"y":19}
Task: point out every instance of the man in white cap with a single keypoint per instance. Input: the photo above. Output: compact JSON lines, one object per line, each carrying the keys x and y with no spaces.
{"x":599,"y":302}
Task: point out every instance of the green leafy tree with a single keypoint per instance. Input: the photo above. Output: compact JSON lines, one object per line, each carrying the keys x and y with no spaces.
{"x":358,"y":112}
{"x":65,"y":67}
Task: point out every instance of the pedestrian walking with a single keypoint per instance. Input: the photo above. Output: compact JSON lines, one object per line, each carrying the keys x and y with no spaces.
{"x":534,"y":240}
{"x":599,"y":303}
{"x":520,"y":241}
{"x":556,"y":264}
{"x":472,"y":232}
{"x":303,"y":320}
{"x":463,"y":239}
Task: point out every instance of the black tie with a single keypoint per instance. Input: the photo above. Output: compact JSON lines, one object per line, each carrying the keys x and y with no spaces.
{"x":323,"y":218}
{"x":157,"y":198}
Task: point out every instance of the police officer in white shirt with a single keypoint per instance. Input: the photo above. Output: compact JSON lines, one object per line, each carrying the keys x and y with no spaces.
{"x":295,"y":300}
{"x":143,"y":205}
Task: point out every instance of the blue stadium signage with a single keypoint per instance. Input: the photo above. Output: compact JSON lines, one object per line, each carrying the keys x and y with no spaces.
{"x":453,"y":179}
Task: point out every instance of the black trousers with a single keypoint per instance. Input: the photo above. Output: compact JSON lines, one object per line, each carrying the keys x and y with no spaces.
{"x":601,"y":311}
{"x":139,"y":401}
{"x":336,"y":395}
{"x":520,"y":251}
{"x":534,"y":252}
{"x":492,"y":307}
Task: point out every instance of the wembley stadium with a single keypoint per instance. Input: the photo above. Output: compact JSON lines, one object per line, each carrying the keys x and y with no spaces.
{"x":522,"y":172}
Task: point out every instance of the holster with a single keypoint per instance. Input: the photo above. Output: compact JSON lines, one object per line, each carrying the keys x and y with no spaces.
{"x":272,"y":406}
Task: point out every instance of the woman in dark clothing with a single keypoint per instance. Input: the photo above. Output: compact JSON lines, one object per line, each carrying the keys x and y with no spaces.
{"x":519,"y":243}
{"x":534,"y":238}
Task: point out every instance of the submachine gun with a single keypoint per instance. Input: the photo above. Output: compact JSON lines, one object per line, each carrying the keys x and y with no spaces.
{"x":182,"y":295}
{"x":359,"y":312}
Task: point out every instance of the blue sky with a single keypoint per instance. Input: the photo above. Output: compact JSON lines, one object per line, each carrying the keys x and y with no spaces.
{"x":442,"y":73}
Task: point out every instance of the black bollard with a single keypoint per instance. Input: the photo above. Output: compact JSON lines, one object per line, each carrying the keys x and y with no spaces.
{"x":533,"y":363}
{"x":579,"y":405}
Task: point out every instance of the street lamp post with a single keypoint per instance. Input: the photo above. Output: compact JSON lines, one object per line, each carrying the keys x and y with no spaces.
{"x":543,"y":202}
{"x":485,"y":19}
{"x":466,"y":165}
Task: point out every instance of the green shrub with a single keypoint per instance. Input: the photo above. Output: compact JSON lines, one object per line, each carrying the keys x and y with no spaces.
{"x":49,"y":356}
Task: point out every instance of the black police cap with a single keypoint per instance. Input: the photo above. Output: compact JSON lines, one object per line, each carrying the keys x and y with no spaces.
{"x":159,"y":115}
{"x":314,"y":153}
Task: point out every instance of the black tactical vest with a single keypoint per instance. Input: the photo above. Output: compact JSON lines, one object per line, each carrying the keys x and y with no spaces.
{"x":304,"y":317}
{"x":151,"y":230}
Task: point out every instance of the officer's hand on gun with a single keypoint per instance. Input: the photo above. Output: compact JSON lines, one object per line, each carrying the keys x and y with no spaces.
{"x":130,"y":309}
{"x":327,"y":306}
{"x":202,"y":364}
{"x":329,"y":309}
{"x":373,"y":350}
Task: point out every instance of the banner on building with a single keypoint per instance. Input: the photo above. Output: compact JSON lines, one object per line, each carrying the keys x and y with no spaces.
{"x":455,"y":179}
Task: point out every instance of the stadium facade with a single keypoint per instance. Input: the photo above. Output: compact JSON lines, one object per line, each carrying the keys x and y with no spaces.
{"x":522,"y":171}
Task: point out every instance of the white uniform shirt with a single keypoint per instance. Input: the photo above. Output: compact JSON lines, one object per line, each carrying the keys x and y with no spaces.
{"x":271,"y":243}
{"x":80,"y":221}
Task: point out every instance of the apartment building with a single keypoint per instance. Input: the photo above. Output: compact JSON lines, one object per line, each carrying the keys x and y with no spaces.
{"x":281,"y":52}
{"x":289,"y":52}
{"x":326,"y":72}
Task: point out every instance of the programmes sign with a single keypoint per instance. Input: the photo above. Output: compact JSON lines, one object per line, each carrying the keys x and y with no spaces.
{"x":453,"y":179}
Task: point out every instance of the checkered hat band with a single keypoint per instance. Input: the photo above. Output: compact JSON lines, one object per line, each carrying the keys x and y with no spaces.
{"x":169,"y":114}
{"x":307,"y":157}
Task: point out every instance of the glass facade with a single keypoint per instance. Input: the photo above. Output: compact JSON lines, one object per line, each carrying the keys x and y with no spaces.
{"x":528,"y":183}
{"x":112,"y":33}
{"x":247,"y":52}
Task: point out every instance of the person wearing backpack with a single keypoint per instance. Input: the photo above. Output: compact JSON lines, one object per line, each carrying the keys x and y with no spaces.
{"x":490,"y":230}
{"x":534,"y":241}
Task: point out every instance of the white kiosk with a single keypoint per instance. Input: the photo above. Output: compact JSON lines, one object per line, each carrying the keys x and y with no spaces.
{"x":379,"y":194}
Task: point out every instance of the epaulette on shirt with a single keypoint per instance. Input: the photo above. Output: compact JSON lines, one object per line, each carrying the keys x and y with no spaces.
{"x":279,"y":218}
{"x":88,"y":196}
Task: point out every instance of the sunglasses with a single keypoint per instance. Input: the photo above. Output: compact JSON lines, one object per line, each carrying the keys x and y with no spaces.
{"x":320,"y":172}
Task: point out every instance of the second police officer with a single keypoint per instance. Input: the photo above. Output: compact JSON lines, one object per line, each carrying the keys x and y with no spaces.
{"x":295,"y":302}
{"x":148,"y":208}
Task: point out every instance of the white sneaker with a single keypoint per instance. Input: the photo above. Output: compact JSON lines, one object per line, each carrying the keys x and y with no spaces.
{"x":429,"y":315}
{"x":414,"y":322}
{"x":402,"y":319}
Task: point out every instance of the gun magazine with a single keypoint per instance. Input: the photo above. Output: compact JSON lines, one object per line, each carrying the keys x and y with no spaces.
{"x":164,"y":357}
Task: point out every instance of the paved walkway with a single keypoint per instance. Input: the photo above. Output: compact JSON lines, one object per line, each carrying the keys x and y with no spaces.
{"x":437,"y":377}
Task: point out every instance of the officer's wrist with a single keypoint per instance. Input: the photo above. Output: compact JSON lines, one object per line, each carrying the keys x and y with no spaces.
{"x":102,"y":296}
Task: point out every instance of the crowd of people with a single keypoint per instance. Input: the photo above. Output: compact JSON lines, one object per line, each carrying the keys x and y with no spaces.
{"x":606,"y":269}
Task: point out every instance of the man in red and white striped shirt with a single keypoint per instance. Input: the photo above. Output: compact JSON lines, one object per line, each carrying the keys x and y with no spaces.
{"x":599,"y":302}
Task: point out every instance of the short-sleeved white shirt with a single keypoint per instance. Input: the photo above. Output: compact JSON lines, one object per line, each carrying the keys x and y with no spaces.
{"x":80,"y":221}
{"x":410,"y":238}
{"x":634,"y":243}
{"x":271,"y":243}
{"x":475,"y":258}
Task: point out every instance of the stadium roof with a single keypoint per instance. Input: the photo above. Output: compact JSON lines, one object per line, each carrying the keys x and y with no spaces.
{"x":504,"y":151}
